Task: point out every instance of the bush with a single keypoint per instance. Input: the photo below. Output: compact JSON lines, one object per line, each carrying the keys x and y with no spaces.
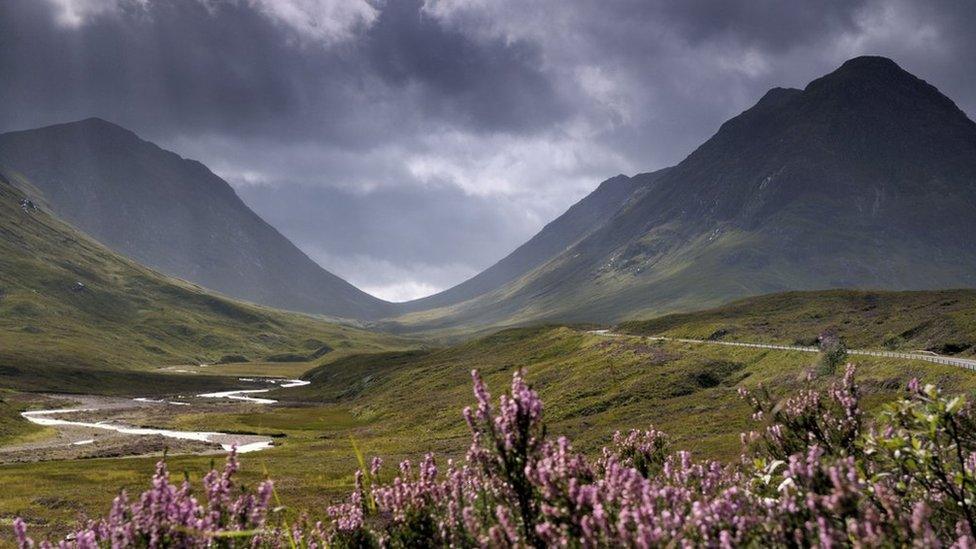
{"x":813,"y":473}
{"x":833,"y":352}
{"x":287,"y":357}
{"x":232,"y":359}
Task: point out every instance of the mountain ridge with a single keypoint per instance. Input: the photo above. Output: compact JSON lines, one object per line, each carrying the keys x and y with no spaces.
{"x":861,"y":179}
{"x":175,"y":215}
{"x":76,"y":316}
{"x":865,"y":178}
{"x":555,"y":237}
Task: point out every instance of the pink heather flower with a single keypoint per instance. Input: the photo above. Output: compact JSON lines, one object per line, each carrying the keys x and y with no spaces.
{"x":809,"y":476}
{"x":481,"y":395}
{"x":374,"y":467}
{"x":20,"y":534}
{"x":914,"y":386}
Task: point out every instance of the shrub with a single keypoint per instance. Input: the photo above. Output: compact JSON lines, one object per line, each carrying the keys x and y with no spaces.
{"x":232,"y":359}
{"x":814,"y":472}
{"x":287,"y":357}
{"x":833,"y":352}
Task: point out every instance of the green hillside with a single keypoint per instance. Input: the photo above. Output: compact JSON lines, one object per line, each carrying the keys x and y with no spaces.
{"x":938,"y":321}
{"x":863,"y":179}
{"x":175,"y":216}
{"x":77,"y":317}
{"x":591,"y":384}
{"x":584,"y":217}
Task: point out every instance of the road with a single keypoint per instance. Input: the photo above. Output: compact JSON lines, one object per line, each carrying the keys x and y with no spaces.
{"x":969,"y":364}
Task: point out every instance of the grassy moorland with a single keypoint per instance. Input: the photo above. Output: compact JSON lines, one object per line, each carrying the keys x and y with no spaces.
{"x":592,"y":385}
{"x":127,"y":330}
{"x":12,"y":427}
{"x":403,"y":404}
{"x":76,"y":317}
{"x":938,"y":321}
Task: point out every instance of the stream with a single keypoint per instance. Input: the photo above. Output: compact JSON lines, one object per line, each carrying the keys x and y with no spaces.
{"x":244,"y":443}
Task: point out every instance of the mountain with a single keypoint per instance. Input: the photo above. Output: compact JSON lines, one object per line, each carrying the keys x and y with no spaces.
{"x":173,"y":215}
{"x":866,"y":178}
{"x":581,"y":219}
{"x":77,"y":317}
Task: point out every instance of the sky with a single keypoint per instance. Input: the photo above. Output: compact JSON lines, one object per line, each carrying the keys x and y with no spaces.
{"x":406,"y":145}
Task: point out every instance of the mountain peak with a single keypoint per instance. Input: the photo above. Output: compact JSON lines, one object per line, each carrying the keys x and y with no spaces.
{"x":95,"y":121}
{"x":97,"y":124}
{"x":618,"y":179}
{"x":92,"y":130}
{"x":871,"y":72}
{"x":872,"y":63}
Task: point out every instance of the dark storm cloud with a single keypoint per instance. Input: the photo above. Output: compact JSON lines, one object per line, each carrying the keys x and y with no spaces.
{"x":407,"y":144}
{"x":489,"y":85}
{"x":772,"y":25}
{"x":171,"y":67}
{"x":190,"y":66}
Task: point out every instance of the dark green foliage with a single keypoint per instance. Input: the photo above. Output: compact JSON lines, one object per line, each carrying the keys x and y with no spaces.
{"x":833,"y":352}
{"x":715,"y":372}
{"x":287,"y":357}
{"x":320,"y":352}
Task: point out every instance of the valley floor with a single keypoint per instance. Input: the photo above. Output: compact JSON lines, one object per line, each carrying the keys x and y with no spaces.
{"x":402,"y":404}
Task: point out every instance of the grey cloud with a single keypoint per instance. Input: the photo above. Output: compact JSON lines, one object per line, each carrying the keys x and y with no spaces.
{"x":189,"y":66}
{"x":432,"y":137}
{"x":766,"y":24}
{"x":394,"y":239}
{"x":442,"y":224}
{"x":491,"y":85}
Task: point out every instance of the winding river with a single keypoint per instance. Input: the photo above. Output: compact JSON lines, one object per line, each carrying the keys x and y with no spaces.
{"x":244,"y":443}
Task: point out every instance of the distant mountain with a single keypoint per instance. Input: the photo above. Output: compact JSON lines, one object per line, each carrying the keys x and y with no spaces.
{"x":864,"y":179}
{"x":581,"y":219}
{"x":174,"y":215}
{"x":77,"y":317}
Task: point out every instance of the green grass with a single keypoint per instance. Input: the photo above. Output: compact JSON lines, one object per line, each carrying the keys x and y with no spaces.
{"x":13,"y":428}
{"x":74,"y":314}
{"x":403,"y":404}
{"x":591,"y":385}
{"x":940,"y":321}
{"x":310,"y":420}
{"x":112,"y":382}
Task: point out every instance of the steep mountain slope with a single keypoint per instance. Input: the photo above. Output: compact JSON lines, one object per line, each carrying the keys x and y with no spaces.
{"x":866,"y":178}
{"x":75,"y":316}
{"x":581,"y":219}
{"x":174,"y":215}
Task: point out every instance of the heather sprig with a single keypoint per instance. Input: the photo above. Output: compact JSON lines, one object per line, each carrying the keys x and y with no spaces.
{"x":815,"y":473}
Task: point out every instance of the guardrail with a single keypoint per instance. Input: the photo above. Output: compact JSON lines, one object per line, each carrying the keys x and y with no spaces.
{"x":969,"y":364}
